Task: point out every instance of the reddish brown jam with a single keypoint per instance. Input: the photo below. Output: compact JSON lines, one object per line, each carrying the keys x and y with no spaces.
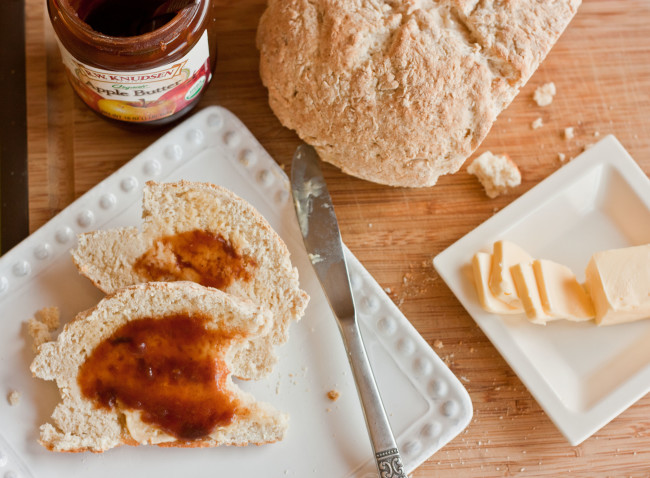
{"x":166,"y":368}
{"x":197,"y":256}
{"x":125,"y":18}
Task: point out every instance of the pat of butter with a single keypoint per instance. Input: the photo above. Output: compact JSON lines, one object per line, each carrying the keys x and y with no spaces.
{"x":528,"y":292}
{"x":142,"y":432}
{"x":619,"y":283}
{"x":481,"y":264}
{"x":561,"y":293}
{"x":505,"y":255}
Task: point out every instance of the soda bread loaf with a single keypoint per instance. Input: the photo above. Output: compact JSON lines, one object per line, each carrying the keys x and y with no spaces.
{"x":80,"y":360}
{"x":206,"y":234}
{"x":400,"y":92}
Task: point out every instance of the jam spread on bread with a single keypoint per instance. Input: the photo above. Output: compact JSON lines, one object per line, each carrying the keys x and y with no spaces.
{"x":198,"y":256}
{"x":168,"y":369}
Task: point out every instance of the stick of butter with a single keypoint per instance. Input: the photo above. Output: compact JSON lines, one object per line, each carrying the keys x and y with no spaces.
{"x":528,"y":292}
{"x":505,"y":255}
{"x":481,"y":264}
{"x":561,"y":293}
{"x":619,"y":283}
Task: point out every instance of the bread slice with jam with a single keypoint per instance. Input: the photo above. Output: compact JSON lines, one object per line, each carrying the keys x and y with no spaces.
{"x":151,"y":364}
{"x":206,"y":234}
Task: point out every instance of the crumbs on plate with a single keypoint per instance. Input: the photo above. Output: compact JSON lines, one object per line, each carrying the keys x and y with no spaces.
{"x":13,"y":397}
{"x":333,"y":395}
{"x":41,"y":326}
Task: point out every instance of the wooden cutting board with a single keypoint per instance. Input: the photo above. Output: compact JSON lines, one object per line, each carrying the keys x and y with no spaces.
{"x":601,"y":68}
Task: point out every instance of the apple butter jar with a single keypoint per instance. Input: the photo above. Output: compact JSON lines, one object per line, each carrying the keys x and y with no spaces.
{"x":137,"y":61}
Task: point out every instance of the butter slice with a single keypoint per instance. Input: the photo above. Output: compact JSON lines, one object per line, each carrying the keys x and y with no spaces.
{"x":142,"y":432}
{"x":619,"y":283}
{"x":481,"y":264}
{"x":505,"y":255}
{"x":561,"y":293}
{"x":528,"y":292}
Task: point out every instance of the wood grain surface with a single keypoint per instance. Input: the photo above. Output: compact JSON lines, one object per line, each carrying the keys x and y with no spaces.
{"x":601,"y":67}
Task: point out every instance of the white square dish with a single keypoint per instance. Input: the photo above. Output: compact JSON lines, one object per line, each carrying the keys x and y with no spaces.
{"x":582,"y":375}
{"x":426,"y":404}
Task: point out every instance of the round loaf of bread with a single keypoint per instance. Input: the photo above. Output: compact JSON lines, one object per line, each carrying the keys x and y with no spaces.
{"x":81,"y":424}
{"x":400,"y":92}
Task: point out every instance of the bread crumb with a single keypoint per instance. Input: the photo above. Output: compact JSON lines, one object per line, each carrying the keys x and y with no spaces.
{"x":315,"y":258}
{"x":333,"y":395}
{"x":13,"y":398}
{"x":543,"y":95}
{"x":50,"y":316}
{"x":568,"y":133}
{"x":596,"y":134}
{"x":41,"y":326}
{"x":438,"y":344}
{"x":561,"y":157}
{"x":497,"y":173}
{"x":538,"y":123}
{"x":587,"y":146}
{"x":39,"y":333}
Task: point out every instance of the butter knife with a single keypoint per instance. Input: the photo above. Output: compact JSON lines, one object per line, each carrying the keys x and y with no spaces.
{"x":320,"y":232}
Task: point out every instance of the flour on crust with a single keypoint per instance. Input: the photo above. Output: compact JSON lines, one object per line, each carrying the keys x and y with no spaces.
{"x":401,"y":92}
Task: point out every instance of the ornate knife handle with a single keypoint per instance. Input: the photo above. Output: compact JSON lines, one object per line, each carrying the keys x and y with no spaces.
{"x":389,"y":462}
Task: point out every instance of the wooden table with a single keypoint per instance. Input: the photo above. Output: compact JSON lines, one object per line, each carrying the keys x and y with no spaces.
{"x":601,"y":67}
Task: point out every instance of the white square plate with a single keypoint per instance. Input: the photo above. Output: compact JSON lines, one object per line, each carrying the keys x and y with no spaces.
{"x":582,"y":375}
{"x":426,"y":404}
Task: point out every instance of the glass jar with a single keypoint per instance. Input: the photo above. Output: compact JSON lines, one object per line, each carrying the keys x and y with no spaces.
{"x":134,"y":62}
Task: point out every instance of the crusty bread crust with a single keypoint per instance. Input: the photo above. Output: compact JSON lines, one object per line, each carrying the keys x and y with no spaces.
{"x":78,"y":425}
{"x":401,"y":92}
{"x":107,"y":257}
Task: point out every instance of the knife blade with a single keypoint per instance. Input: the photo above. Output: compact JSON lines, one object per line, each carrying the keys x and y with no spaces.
{"x":322,"y":238}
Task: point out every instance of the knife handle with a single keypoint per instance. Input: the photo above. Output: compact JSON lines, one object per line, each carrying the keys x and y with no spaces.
{"x":389,"y":462}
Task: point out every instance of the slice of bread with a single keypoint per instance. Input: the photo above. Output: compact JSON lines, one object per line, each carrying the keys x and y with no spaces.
{"x":83,"y":422}
{"x":260,"y":267}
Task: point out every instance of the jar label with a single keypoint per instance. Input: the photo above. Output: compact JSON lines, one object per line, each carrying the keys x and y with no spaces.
{"x":144,"y":95}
